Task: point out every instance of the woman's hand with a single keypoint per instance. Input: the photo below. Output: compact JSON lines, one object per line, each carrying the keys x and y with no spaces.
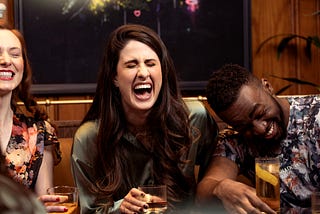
{"x":51,"y":202}
{"x":134,"y":202}
{"x":240,"y":198}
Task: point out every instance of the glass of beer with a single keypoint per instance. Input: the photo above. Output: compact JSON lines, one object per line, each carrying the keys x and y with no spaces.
{"x":267,"y":181}
{"x":156,"y":198}
{"x":69,"y":197}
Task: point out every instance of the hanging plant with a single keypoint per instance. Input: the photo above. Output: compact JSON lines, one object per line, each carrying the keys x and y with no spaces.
{"x":286,"y":38}
{"x":309,"y":41}
{"x":296,"y":81}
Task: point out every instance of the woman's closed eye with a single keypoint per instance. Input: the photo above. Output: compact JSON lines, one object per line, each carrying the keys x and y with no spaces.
{"x":131,"y":65}
{"x":150,"y":62}
{"x":15,"y":53}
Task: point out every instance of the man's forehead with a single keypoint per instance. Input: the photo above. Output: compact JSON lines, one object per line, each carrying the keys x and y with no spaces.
{"x":249,"y":93}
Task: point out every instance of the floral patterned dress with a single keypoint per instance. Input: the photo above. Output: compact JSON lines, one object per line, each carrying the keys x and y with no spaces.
{"x":25,"y":149}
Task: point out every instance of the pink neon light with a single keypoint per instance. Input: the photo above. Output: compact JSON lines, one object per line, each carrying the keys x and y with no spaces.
{"x":193,"y":5}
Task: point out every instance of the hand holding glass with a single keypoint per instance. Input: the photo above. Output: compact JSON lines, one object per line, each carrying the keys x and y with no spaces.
{"x":156,"y":198}
{"x":70,"y":199}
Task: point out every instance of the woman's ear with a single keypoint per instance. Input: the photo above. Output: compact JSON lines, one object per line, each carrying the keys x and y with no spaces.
{"x":267,"y":86}
{"x":115,"y":82}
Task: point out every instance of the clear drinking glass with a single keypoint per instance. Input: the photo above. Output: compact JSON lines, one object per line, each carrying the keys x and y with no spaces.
{"x":71,"y":199}
{"x":156,"y":198}
{"x":267,"y":181}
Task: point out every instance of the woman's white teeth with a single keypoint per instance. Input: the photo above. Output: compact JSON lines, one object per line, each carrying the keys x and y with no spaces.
{"x":144,"y":86}
{"x":6,"y":74}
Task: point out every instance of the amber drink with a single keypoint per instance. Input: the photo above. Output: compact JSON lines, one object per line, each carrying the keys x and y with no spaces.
{"x":156,"y":198}
{"x":267,"y":181}
{"x":69,"y":198}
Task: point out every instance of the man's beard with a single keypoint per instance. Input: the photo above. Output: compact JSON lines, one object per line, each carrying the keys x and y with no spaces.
{"x":270,"y":147}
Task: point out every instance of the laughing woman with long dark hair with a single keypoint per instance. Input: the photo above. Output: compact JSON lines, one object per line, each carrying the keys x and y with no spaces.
{"x":139,"y":130}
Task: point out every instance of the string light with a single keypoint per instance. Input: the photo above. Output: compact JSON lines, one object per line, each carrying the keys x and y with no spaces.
{"x":99,"y":6}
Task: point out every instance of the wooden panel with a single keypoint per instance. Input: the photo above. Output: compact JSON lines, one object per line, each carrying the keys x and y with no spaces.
{"x":286,"y":16}
{"x":72,"y":111}
{"x":308,"y":25}
{"x":66,"y":128}
{"x":58,"y":112}
{"x":8,"y":16}
{"x":267,"y":20}
{"x":62,"y":172}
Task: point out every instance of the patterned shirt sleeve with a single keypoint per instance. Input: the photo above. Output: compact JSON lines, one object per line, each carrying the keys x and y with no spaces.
{"x":228,"y":145}
{"x":52,"y":139}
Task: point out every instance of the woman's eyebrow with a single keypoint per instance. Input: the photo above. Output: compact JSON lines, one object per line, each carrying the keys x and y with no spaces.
{"x":131,"y":61}
{"x":14,"y":48}
{"x":150,"y":60}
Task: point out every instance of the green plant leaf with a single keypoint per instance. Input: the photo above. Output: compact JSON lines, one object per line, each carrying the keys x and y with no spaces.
{"x":316,"y":41}
{"x":308,"y":48}
{"x":310,"y":40}
{"x":283,"y":43}
{"x":283,"y":89}
{"x":297,"y":81}
{"x":267,"y":40}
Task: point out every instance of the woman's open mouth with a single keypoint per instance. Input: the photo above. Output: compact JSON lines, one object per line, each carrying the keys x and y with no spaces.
{"x":143,"y":91}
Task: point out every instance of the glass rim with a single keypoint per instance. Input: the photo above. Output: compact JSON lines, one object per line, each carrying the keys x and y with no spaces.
{"x":266,"y":158}
{"x":153,"y":185}
{"x":76,"y":189}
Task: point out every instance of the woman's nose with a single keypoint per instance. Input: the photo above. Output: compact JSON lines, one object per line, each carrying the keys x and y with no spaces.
{"x":5,"y":59}
{"x":143,"y":72}
{"x":260,"y":127}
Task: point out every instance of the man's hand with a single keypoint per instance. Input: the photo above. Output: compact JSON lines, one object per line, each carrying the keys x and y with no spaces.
{"x":240,"y":198}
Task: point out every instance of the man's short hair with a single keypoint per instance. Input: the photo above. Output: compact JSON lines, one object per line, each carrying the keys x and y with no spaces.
{"x":224,"y":85}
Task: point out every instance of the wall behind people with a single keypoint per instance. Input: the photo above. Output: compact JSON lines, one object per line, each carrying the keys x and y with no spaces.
{"x":288,"y":16}
{"x":198,"y":39}
{"x":272,"y":17}
{"x":6,"y":12}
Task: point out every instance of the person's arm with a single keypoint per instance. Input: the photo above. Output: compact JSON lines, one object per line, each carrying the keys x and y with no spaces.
{"x":83,"y":156}
{"x":92,"y":199}
{"x":45,"y":180}
{"x":51,"y":157}
{"x":220,"y":169}
{"x":220,"y":182}
{"x":45,"y":176}
{"x":83,"y":176}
